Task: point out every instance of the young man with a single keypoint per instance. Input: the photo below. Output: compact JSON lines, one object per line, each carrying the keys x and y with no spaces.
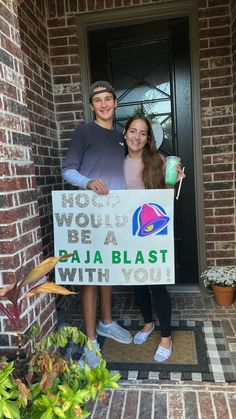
{"x":95,"y":161}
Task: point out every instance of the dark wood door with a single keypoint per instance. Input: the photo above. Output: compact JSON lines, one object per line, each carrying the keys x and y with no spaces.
{"x":149,"y":65}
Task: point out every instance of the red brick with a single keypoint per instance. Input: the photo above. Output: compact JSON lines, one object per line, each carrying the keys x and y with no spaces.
{"x":214,"y":52}
{"x":8,"y":247}
{"x":217,"y":131}
{"x":216,"y":92}
{"x":221,"y":101}
{"x":10,"y":262}
{"x":222,"y":220}
{"x":64,"y":31}
{"x":227,"y":158}
{"x":56,"y":22}
{"x":224,"y":194}
{"x":70,"y":69}
{"x":175,"y":405}
{"x":219,"y":21}
{"x":67,"y":107}
{"x":214,"y":32}
{"x":222,"y":254}
{"x":214,"y":11}
{"x":220,"y":405}
{"x":219,"y":203}
{"x":8,"y":217}
{"x":218,"y":42}
{"x":8,"y":15}
{"x":221,"y":81}
{"x":225,"y":211}
{"x":219,"y":237}
{"x":69,"y":50}
{"x":8,"y":231}
{"x":232,"y":404}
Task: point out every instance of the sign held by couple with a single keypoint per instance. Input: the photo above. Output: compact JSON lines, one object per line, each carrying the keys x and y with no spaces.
{"x":124,"y":238}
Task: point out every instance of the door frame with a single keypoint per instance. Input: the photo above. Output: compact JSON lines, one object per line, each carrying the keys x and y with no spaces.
{"x":141,"y":14}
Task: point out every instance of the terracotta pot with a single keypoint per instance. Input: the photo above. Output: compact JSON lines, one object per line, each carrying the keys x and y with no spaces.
{"x":224,"y":295}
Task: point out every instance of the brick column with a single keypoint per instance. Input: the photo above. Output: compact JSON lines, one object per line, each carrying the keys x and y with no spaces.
{"x":217,"y":129}
{"x":20,"y":234}
{"x":233,"y":26}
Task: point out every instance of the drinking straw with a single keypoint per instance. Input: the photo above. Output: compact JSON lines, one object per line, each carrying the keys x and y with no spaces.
{"x":180,"y":183}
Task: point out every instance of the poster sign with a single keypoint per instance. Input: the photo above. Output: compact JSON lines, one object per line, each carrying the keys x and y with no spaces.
{"x":124,"y":238}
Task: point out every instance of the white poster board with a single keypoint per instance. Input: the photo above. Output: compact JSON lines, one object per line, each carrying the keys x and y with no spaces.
{"x":124,"y":238}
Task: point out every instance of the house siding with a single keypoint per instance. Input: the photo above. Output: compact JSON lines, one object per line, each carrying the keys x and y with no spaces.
{"x":42,"y":104}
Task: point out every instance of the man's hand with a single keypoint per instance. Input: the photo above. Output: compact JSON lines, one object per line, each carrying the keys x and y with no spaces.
{"x":98,"y":186}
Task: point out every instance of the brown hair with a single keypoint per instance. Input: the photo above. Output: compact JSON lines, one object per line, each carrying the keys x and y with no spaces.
{"x":154,"y":163}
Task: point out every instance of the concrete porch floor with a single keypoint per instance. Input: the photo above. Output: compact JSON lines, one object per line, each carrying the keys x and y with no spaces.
{"x":172,"y":399}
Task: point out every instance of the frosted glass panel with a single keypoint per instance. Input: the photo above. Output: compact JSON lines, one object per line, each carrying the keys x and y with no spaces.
{"x":141,"y":76}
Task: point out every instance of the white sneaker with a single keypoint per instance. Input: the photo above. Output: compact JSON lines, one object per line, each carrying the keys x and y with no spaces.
{"x":92,"y":356}
{"x":162,"y":354}
{"x":115,"y":332}
{"x":141,"y":337}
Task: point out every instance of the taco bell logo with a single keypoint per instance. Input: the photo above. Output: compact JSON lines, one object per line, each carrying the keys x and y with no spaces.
{"x":150,"y":219}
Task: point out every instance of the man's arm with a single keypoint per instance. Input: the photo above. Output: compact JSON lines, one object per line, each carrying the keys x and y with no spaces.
{"x":71,"y":166}
{"x":75,"y":178}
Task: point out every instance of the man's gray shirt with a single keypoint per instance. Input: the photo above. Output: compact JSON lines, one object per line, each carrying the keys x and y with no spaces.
{"x":95,"y":152}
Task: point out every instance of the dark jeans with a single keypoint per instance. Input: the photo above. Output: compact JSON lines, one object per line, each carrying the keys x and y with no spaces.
{"x":161,"y":300}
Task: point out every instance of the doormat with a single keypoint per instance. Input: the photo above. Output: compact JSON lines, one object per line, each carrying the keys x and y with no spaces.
{"x":200,"y":353}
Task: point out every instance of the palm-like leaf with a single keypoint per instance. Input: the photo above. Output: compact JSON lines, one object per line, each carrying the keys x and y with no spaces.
{"x":12,"y":292}
{"x":49,"y":288}
{"x":43,"y":269}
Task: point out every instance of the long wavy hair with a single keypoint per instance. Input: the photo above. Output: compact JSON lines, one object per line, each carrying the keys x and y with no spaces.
{"x":153,"y":174}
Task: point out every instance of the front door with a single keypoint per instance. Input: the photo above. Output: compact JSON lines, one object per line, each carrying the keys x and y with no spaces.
{"x":149,"y":66}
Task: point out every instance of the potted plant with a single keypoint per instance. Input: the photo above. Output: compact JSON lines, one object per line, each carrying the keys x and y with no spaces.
{"x":222,"y":280}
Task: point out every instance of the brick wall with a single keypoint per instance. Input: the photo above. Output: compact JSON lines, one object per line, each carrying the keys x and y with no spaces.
{"x":217,"y":110}
{"x":233,"y":26}
{"x":20,"y":233}
{"x":40,"y":104}
{"x":64,"y":51}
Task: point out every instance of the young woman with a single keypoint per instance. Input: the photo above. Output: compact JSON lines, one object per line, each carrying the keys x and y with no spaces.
{"x":144,"y":167}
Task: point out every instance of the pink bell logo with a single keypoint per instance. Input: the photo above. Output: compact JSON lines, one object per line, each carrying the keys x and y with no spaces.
{"x":150,"y":219}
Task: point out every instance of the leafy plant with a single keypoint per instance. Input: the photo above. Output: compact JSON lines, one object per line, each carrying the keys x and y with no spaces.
{"x":8,"y":394}
{"x":46,"y":361}
{"x":14,"y":295}
{"x":223,"y":276}
{"x":48,"y":386}
{"x":53,"y":388}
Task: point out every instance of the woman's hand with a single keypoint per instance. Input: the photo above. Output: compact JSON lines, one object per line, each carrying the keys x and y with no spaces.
{"x":180,"y":173}
{"x":98,"y":186}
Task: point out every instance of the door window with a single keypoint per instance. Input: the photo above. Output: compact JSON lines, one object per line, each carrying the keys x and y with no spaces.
{"x":141,"y":73}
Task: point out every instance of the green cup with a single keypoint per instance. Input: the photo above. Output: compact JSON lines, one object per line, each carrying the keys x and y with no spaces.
{"x":171,"y":171}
